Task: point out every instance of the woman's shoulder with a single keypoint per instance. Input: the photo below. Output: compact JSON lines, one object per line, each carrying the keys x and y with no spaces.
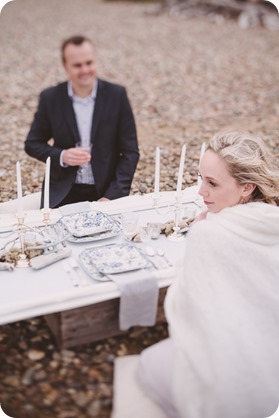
{"x":255,"y":221}
{"x":203,"y":230}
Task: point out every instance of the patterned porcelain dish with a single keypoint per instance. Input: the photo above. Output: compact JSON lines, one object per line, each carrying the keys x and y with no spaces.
{"x":90,"y":226}
{"x":112,"y":259}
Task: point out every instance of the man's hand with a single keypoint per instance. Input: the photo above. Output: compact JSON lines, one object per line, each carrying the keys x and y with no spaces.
{"x":103,"y":199}
{"x":76,"y":156}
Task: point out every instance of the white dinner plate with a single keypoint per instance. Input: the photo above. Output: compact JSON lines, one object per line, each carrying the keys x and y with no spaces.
{"x":113,"y":259}
{"x":90,"y":226}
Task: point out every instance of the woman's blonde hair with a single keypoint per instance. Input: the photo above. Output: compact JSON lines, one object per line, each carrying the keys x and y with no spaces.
{"x":249,"y":161}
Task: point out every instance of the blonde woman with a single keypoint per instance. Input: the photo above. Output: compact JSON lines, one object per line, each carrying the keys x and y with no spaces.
{"x":222,"y":357}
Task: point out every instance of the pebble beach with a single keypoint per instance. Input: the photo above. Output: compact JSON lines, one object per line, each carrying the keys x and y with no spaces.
{"x":187,"y":78}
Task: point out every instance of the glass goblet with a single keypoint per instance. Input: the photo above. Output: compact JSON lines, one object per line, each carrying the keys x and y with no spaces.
{"x":129,"y":223}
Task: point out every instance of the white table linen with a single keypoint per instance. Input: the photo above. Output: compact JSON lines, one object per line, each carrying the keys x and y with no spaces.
{"x":26,"y":293}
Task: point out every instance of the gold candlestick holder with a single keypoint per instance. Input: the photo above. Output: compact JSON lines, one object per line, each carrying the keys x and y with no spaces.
{"x":23,"y":261}
{"x":46,"y":216}
{"x":177,"y":236}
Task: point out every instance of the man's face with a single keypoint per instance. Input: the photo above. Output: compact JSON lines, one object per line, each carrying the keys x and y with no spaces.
{"x":80,"y":66}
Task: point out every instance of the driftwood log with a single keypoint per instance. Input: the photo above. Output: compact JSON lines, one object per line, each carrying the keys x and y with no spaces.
{"x":248,"y":13}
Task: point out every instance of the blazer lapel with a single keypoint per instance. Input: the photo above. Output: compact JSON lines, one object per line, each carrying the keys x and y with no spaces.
{"x":99,"y":103}
{"x":69,"y":113}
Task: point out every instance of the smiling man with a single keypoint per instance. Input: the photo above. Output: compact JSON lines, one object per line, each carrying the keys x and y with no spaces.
{"x":93,"y":148}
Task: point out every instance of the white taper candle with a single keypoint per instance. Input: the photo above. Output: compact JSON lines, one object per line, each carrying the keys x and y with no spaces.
{"x":19,"y":191}
{"x":157,"y":172}
{"x":201,"y":155}
{"x":202,"y":150}
{"x":181,"y":169}
{"x":46,"y":188}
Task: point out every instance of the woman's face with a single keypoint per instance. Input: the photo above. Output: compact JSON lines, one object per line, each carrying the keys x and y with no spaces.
{"x":218,"y":189}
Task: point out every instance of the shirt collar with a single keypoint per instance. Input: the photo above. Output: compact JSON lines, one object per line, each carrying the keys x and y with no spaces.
{"x":91,"y":96}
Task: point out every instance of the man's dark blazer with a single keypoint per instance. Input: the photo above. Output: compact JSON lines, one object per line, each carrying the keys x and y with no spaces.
{"x":115,"y":151}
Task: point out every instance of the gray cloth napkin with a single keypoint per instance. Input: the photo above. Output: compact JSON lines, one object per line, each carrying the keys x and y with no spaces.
{"x":75,"y":208}
{"x":6,"y":266}
{"x":139,"y":294}
{"x":47,"y":259}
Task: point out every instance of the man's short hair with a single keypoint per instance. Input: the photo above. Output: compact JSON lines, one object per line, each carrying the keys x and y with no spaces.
{"x":73,"y":40}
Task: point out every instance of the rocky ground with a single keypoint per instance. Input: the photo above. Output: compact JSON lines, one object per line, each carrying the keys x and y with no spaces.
{"x":187,"y":78}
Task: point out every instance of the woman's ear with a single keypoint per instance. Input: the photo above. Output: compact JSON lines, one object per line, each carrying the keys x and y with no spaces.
{"x":248,"y":189}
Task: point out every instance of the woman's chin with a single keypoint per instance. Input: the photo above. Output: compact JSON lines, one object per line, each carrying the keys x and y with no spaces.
{"x":212,"y":209}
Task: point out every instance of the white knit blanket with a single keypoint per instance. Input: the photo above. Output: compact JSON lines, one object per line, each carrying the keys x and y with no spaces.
{"x":223,"y":312}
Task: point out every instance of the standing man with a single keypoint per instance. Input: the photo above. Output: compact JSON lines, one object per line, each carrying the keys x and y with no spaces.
{"x":94,"y":150}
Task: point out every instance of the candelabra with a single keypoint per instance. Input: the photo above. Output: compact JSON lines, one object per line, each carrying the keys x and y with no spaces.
{"x":23,"y":260}
{"x":177,"y":236}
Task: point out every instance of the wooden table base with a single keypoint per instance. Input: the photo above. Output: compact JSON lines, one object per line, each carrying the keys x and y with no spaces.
{"x":91,"y":323}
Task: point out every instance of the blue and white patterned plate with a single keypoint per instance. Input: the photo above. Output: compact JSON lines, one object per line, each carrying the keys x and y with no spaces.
{"x":112,"y":259}
{"x":90,"y":226}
